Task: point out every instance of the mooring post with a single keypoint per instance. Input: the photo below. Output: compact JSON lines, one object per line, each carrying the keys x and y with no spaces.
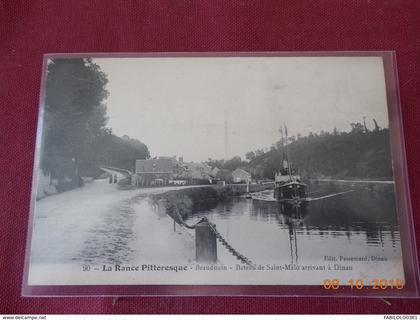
{"x":162,"y":204}
{"x":205,"y":243}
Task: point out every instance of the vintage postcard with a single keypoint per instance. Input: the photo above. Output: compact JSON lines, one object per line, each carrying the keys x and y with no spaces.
{"x":216,"y":170}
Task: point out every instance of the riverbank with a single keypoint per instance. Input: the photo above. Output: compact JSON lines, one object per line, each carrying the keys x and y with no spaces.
{"x":184,"y":202}
{"x":368,"y":185}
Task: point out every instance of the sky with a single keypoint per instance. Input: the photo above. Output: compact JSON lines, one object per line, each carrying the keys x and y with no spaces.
{"x":178,"y":106}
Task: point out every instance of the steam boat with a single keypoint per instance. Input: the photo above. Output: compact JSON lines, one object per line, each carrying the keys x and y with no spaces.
{"x":288,"y":187}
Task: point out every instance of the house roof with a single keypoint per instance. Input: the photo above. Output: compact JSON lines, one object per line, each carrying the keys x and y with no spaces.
{"x":215,"y":171}
{"x":162,"y":165}
{"x":239,"y":171}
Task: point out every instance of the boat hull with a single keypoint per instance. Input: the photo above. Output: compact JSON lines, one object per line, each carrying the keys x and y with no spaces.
{"x":291,"y":193}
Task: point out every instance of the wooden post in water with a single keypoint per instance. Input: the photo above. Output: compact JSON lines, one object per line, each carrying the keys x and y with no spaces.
{"x":205,"y":243}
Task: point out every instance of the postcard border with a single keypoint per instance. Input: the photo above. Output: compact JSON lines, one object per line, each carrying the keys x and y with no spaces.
{"x":402,"y":194}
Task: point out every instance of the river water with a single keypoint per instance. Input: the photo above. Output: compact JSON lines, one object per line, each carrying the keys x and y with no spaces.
{"x":360,"y":223}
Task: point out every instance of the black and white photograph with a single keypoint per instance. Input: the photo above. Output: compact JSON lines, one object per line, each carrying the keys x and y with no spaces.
{"x":214,"y":170}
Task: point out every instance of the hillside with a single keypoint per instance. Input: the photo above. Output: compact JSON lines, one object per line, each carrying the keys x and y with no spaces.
{"x":349,"y":155}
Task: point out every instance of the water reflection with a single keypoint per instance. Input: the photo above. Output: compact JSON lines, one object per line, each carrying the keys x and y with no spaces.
{"x":349,"y":223}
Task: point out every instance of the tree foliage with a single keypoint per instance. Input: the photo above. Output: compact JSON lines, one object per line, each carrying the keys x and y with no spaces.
{"x":224,"y":175}
{"x":119,"y":152}
{"x":75,"y":139}
{"x":356,"y":154}
{"x":74,"y":114}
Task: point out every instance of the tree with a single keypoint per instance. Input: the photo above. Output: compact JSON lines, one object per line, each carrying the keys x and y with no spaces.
{"x":250,"y":155}
{"x":377,"y":128}
{"x":233,"y":163}
{"x":224,"y":175}
{"x":216,"y":163}
{"x":118,"y":152}
{"x":76,"y":141}
{"x":339,"y":155}
{"x":357,"y":127}
{"x":75,"y":114}
{"x":259,"y":152}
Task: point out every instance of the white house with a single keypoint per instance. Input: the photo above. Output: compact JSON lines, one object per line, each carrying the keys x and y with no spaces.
{"x":240,"y":175}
